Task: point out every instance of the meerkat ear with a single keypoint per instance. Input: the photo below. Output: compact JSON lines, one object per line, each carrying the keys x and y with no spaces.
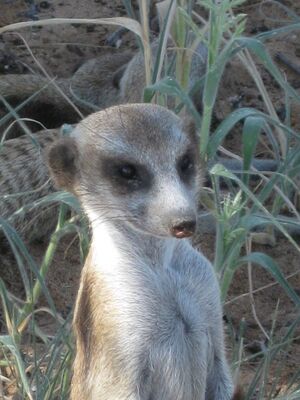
{"x":62,"y":159}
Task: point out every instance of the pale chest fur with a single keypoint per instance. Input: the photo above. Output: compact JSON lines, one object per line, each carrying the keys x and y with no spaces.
{"x":158,"y":287}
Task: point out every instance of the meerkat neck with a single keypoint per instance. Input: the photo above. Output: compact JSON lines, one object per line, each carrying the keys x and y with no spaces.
{"x":116,"y":244}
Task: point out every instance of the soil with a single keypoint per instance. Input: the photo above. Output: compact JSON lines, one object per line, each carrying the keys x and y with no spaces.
{"x":61,"y":49}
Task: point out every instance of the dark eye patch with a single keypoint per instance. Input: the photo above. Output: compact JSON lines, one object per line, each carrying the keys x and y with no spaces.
{"x":186,"y":165}
{"x":126,"y":175}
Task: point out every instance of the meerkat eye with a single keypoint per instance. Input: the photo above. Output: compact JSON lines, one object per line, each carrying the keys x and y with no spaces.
{"x":186,"y":164}
{"x":128,"y":172}
{"x":125,"y":175}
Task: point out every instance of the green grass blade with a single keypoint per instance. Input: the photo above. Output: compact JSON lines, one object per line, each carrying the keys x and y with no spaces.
{"x":9,"y":343}
{"x":251,"y":131}
{"x":260,"y":51}
{"x":269,"y":264}
{"x":171,"y":87}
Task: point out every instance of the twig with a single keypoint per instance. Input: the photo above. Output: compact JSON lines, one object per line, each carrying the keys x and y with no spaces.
{"x":48,"y":76}
{"x":269,"y":285}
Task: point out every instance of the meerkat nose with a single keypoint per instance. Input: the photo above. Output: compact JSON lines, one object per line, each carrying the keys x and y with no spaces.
{"x":183,"y":229}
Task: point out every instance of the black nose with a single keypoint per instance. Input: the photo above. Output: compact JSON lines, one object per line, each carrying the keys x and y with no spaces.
{"x":183,"y":229}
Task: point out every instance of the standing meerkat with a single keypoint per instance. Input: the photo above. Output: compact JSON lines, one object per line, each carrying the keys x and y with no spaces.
{"x":148,"y":317}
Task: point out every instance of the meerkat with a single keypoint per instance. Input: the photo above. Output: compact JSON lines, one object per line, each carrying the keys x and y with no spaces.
{"x":90,"y":88}
{"x":24,"y":179}
{"x":99,"y":83}
{"x":148,"y":317}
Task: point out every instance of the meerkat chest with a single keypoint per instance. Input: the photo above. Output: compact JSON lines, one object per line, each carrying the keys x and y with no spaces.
{"x":157,"y":286}
{"x":163,"y":299}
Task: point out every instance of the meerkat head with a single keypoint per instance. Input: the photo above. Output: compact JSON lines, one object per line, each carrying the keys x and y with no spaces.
{"x":133,"y":164}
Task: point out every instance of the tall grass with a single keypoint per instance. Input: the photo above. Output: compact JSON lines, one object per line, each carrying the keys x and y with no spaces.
{"x":46,"y":374}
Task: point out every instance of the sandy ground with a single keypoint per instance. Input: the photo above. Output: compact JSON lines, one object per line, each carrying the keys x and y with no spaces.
{"x":62,"y":49}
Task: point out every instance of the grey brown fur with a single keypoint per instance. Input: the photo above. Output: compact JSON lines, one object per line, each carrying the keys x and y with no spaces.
{"x":148,"y":319}
{"x":23,"y":179}
{"x":89,"y":89}
{"x":133,"y":80}
{"x":99,"y":83}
